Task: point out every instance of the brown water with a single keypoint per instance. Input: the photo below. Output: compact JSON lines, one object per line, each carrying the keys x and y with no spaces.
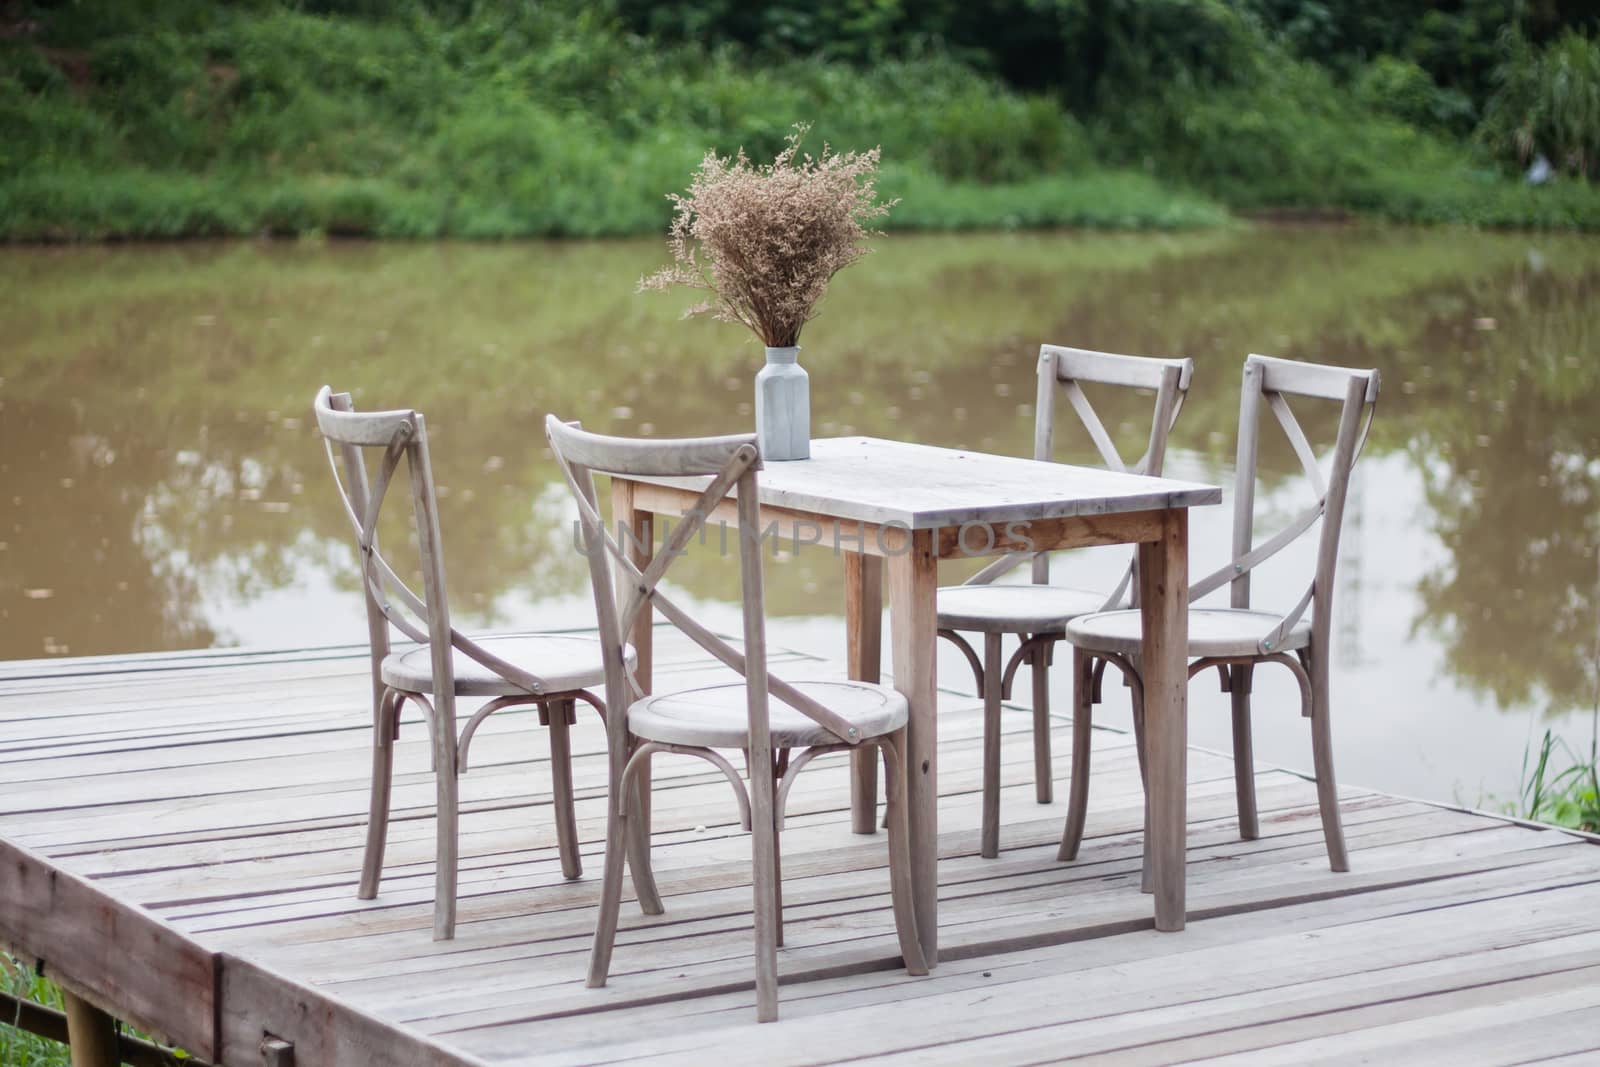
{"x":163,"y":490}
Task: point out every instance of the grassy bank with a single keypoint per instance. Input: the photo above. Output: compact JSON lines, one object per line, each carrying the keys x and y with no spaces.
{"x":432,"y":118}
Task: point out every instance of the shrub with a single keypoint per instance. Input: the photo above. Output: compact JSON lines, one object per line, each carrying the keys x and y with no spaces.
{"x":1402,"y":89}
{"x":1547,"y":102}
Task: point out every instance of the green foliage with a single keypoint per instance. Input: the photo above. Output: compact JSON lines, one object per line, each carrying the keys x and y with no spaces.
{"x":1402,"y":89}
{"x":19,"y":1048}
{"x":441,"y":117}
{"x":1547,"y":102}
{"x":1116,"y":200}
{"x":1569,"y":797}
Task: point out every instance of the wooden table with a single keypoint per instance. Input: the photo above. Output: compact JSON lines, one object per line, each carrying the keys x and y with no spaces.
{"x":880,"y":502}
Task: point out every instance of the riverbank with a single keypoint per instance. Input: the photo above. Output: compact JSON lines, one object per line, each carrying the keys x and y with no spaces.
{"x":570,"y":120}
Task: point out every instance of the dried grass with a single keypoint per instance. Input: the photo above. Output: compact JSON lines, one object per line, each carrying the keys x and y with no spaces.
{"x":766,"y":240}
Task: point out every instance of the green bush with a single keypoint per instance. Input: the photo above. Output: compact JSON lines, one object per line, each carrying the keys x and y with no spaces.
{"x":444,"y":117}
{"x":1547,"y":102}
{"x":1403,"y":90}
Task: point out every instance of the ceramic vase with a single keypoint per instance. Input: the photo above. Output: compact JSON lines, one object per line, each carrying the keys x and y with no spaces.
{"x":783,"y":407}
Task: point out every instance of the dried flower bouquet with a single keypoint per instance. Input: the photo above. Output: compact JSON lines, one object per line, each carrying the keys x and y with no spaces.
{"x":765,"y":240}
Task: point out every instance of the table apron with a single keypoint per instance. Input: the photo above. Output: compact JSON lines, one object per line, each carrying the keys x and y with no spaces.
{"x":791,"y":529}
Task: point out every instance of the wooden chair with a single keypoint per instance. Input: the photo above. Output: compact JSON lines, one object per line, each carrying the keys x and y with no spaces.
{"x":1037,"y":613}
{"x":813,"y":717}
{"x":552,"y":672}
{"x":1237,"y":639}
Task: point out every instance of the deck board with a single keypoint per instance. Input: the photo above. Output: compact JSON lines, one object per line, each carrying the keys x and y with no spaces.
{"x":225,"y":794}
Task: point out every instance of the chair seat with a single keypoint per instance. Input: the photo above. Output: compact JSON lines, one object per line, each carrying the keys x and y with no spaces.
{"x":1014,"y":609}
{"x":715,"y":716}
{"x":1212,"y":632}
{"x":565,"y":662}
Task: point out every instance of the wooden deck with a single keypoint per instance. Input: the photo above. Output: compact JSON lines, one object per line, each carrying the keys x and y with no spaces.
{"x":224,"y":794}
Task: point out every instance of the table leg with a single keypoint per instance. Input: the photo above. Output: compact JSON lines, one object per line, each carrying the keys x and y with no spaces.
{"x":1163,"y":589}
{"x":635,"y":530}
{"x":863,"y":622}
{"x":913,"y":622}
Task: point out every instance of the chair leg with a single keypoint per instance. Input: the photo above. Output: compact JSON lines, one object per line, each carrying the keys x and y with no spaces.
{"x":644,"y":878}
{"x":777,"y":883}
{"x":561,"y":715}
{"x":1043,"y":787}
{"x":1146,"y":875}
{"x":383,"y":735}
{"x":989,"y":838}
{"x":902,"y":900}
{"x":1082,"y":723}
{"x":605,"y":929}
{"x":764,"y":882}
{"x":447,"y":810}
{"x":1322,"y":760}
{"x":1244,"y":766}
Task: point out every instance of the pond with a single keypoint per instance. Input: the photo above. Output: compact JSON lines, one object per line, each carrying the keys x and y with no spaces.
{"x":164,"y":488}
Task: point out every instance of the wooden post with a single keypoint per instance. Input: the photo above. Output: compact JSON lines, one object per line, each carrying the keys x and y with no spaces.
{"x":913,"y":619}
{"x":91,"y":1033}
{"x":863,"y":623}
{"x":1163,"y":586}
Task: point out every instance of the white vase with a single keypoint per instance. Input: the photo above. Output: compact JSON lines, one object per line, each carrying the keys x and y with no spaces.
{"x":783,"y":406}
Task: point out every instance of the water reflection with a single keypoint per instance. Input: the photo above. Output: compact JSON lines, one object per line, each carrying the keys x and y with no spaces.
{"x":165,"y":490}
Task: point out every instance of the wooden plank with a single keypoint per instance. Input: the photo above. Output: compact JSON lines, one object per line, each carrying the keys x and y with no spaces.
{"x":1109,"y":368}
{"x":1227,"y":968}
{"x":1278,"y":950}
{"x":258,"y":1003}
{"x":116,"y":956}
{"x":1310,"y":379}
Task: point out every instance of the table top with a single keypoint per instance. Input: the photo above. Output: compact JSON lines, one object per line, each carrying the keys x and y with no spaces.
{"x":921,"y":487}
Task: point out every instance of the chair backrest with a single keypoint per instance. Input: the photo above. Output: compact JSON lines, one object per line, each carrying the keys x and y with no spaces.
{"x":731,"y":463}
{"x":401,"y":436}
{"x":1272,"y":382}
{"x":1064,"y":371}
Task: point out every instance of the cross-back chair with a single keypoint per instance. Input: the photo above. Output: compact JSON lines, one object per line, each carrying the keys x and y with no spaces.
{"x":1037,"y":613}
{"x":779,"y":726}
{"x":553,"y":672}
{"x":1237,"y":639}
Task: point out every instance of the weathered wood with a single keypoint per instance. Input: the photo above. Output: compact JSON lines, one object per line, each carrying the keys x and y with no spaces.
{"x":863,"y":627}
{"x":920,"y":487}
{"x":697,"y":722}
{"x":1237,"y":638}
{"x":788,"y":528}
{"x":1278,"y":949}
{"x":114,"y":955}
{"x":989,"y":846}
{"x":1109,"y":368}
{"x":1240,"y":683}
{"x":91,"y":1033}
{"x":1312,"y":379}
{"x":1082,"y":749}
{"x":662,"y":456}
{"x":258,"y":1003}
{"x":913,"y":585}
{"x":1163,"y":576}
{"x":1043,"y":773}
{"x":426,"y":676}
{"x":1036,"y":613}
